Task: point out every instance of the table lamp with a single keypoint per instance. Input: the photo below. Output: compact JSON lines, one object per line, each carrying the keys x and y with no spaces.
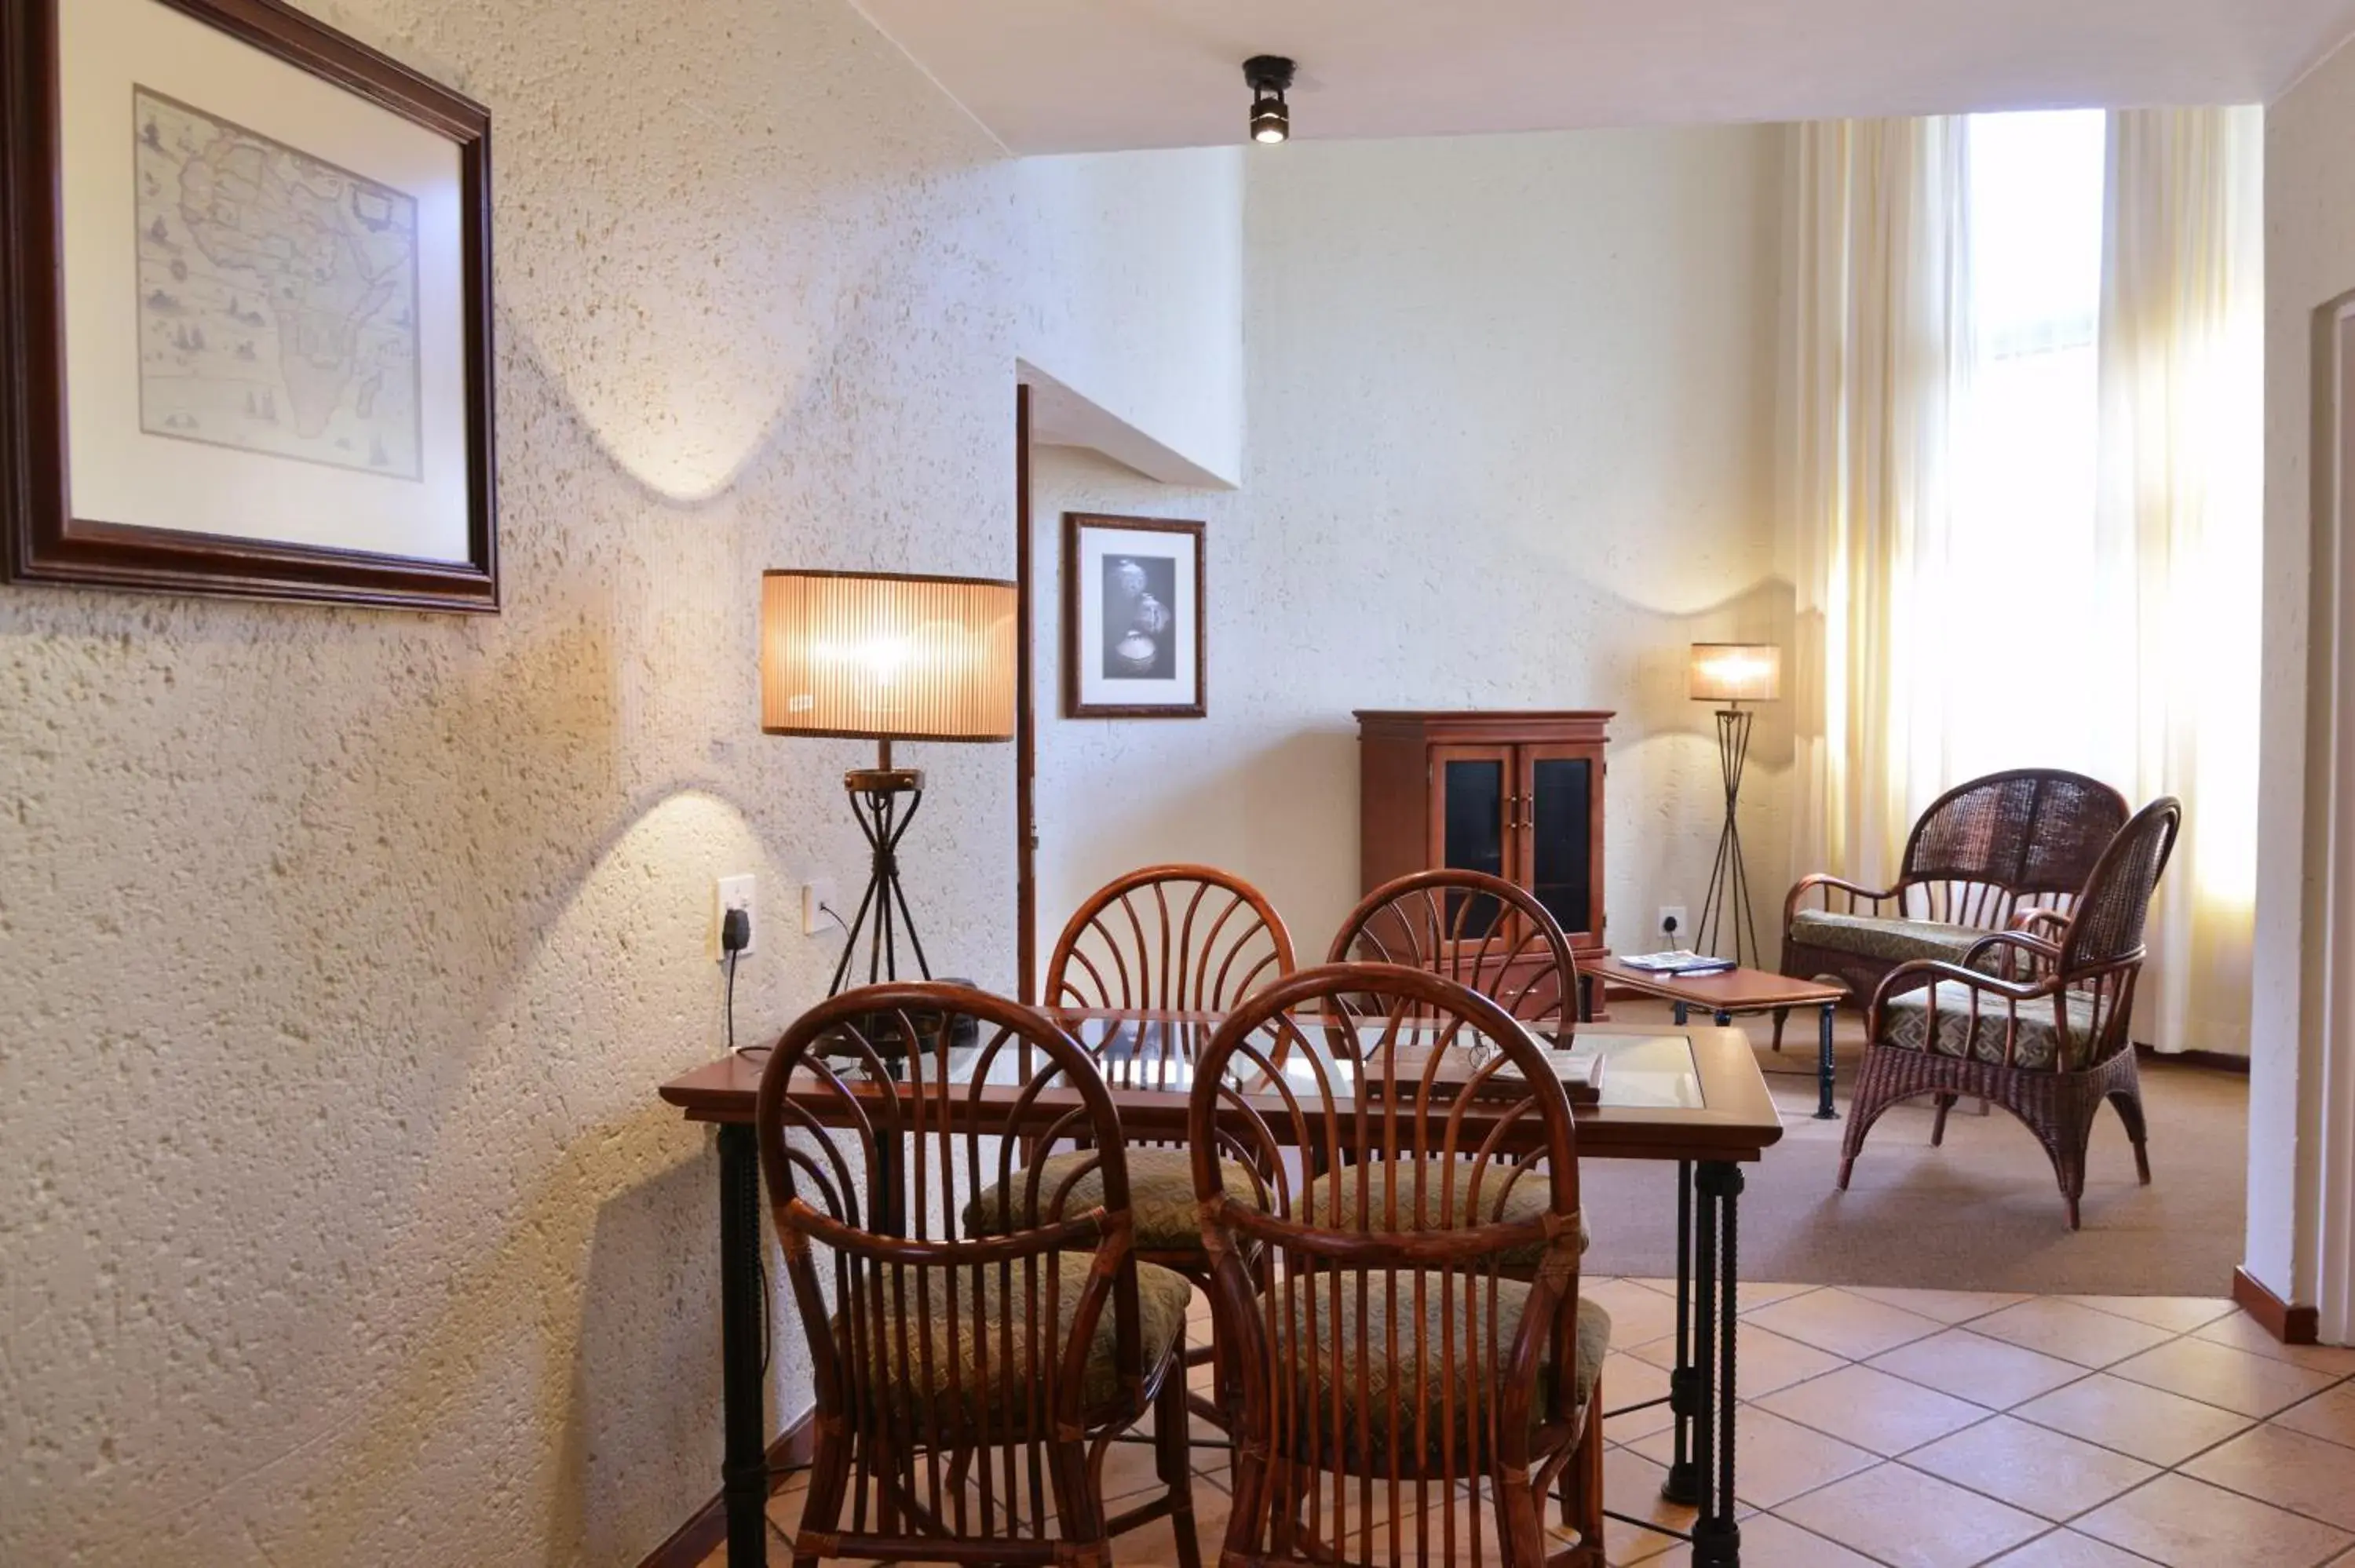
{"x":885,"y":656}
{"x":1732,"y":673}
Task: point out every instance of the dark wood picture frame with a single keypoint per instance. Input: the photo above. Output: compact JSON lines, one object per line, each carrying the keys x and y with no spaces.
{"x":45,"y":542}
{"x":1073,"y":707}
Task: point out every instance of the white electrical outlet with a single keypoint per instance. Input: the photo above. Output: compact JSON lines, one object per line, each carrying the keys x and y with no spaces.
{"x":1684,"y":928}
{"x":815,"y":922}
{"x":733,"y":893}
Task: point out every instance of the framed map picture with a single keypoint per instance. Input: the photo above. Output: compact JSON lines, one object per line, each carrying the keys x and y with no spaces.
{"x":1133,"y":643}
{"x":247,"y":333}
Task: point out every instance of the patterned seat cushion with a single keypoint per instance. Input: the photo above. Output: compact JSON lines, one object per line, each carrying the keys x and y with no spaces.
{"x":1442,"y":1367}
{"x":1905,"y":1020}
{"x":1161,"y":1194}
{"x":1885,"y":937}
{"x":924,"y":1363}
{"x":1415,"y":1195}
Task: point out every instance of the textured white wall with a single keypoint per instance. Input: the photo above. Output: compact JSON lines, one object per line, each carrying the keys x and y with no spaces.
{"x":1510,"y":445}
{"x":1132,"y":294}
{"x":2310,"y":259}
{"x":340,"y":953}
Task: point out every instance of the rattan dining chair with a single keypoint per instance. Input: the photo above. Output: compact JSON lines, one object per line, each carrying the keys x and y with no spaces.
{"x":1408,"y":1395}
{"x":1476,"y":929}
{"x":968,"y":1390}
{"x":1167,"y":939}
{"x":2036,"y":1025}
{"x":1178,"y":939}
{"x":1483,"y":932}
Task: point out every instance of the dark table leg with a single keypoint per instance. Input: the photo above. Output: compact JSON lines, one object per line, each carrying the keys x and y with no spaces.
{"x":744,"y":1466}
{"x":1680,"y":1013}
{"x":1824,"y":1111}
{"x":1682,"y":1484}
{"x":1717,"y":1539}
{"x":1586,"y":998}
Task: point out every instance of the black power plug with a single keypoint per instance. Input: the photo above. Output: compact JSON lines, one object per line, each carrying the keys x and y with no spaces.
{"x":735,"y":936}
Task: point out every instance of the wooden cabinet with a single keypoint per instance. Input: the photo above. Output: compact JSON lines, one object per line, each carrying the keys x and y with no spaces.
{"x":1518,"y":795}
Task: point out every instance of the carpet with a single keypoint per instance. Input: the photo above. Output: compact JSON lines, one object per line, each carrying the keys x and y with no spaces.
{"x":1982,"y":1213}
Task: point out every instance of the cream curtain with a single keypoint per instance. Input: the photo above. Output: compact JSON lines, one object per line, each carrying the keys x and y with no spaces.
{"x":2178,"y":521}
{"x":1944,"y":518}
{"x":1883,"y":358}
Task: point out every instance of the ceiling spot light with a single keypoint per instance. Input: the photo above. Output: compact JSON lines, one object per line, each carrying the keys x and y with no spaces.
{"x":1270,"y":77}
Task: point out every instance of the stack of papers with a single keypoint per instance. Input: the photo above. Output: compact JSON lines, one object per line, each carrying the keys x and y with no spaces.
{"x":1679,"y":962}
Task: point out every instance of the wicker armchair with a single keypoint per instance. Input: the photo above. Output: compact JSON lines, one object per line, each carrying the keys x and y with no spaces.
{"x":1981,"y":851}
{"x":2035,"y":1025}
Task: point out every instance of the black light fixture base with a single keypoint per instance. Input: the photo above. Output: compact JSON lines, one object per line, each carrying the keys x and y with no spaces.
{"x":1269,"y":73}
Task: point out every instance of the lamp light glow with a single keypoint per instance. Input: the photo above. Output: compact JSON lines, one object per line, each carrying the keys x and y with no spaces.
{"x":887,"y":656}
{"x":1735,"y":673}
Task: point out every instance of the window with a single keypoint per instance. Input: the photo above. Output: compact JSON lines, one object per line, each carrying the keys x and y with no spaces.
{"x":2021,"y":549}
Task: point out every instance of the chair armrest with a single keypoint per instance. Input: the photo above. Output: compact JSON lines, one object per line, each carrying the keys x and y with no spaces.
{"x":2044,"y":956}
{"x":2029,"y":919}
{"x":1826,"y":884}
{"x":1920,"y":974}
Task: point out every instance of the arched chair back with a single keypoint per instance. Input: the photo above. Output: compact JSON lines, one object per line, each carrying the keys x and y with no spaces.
{"x":1412,"y":1387}
{"x":1476,"y":929}
{"x":1995,"y":845}
{"x":961,"y":1383}
{"x":2106,"y":927}
{"x":1175,"y":938}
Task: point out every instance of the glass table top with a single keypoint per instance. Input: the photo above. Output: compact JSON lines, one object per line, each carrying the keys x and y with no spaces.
{"x":1640,"y":1071}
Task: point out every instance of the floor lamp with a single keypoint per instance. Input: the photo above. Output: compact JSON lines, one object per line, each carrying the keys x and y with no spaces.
{"x":1733,"y":674}
{"x":885,"y":656}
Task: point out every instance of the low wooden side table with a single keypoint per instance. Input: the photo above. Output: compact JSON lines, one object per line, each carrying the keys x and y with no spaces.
{"x":1722,"y":994}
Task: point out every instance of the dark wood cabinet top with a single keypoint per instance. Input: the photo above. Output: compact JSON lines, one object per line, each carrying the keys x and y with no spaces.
{"x":1476,"y":715}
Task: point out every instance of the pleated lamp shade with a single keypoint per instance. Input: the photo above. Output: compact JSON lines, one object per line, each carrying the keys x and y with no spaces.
{"x":1736,"y":672}
{"x":887,"y":656}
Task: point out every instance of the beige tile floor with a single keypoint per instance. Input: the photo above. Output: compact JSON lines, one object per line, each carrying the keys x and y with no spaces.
{"x":1945,"y":1429}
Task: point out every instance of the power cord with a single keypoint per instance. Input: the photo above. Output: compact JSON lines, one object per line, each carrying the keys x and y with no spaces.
{"x":735,"y":936}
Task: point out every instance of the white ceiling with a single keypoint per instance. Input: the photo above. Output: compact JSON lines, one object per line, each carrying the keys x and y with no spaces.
{"x":1058,"y":76}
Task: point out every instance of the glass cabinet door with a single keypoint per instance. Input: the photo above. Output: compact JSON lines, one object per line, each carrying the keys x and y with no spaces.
{"x":1473,"y":796}
{"x":1561,"y":811}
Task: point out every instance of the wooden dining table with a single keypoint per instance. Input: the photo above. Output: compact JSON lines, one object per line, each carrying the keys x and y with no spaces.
{"x":1692,"y":1095}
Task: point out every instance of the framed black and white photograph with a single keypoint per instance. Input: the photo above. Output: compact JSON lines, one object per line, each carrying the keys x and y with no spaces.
{"x":1133,"y":622}
{"x":249,"y":312}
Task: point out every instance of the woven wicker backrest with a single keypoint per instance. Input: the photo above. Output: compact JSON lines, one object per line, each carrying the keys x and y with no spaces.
{"x":1476,"y":929}
{"x":875,"y":1133}
{"x":1182,"y":939}
{"x":2108,"y":923}
{"x":1389,"y":1313}
{"x":2030,"y":832}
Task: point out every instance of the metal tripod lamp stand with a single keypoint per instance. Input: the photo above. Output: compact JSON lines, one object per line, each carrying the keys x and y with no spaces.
{"x":1733,"y":674}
